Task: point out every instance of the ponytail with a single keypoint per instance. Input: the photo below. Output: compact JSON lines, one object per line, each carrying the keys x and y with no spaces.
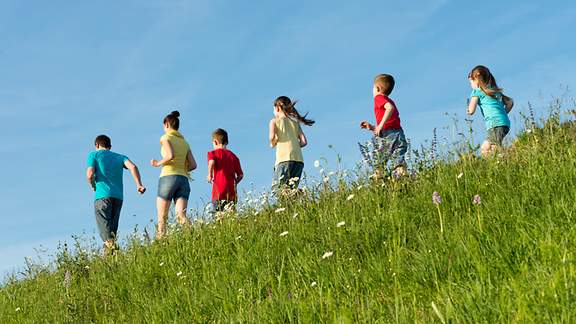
{"x":288,"y":107}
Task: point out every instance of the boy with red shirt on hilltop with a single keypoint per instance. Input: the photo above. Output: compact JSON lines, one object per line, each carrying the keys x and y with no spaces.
{"x":387,"y":129}
{"x":224,"y":171}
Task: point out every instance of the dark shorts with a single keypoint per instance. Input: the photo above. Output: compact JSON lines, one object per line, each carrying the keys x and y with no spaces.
{"x":497,"y":134}
{"x":287,"y":174}
{"x":393,"y":146}
{"x":107,"y":211}
{"x":173,"y":187}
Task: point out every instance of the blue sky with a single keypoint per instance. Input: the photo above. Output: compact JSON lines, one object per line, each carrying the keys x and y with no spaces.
{"x":71,"y":70}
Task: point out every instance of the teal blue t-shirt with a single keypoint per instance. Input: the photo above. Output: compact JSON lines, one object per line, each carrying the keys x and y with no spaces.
{"x":492,"y":109}
{"x":108,"y":167}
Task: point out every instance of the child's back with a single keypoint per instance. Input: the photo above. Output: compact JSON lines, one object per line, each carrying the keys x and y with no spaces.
{"x":288,"y":145}
{"x":226,"y":170}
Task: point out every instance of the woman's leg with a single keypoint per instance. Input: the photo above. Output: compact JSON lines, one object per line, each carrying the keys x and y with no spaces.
{"x":181,"y":206}
{"x":162,"y":206}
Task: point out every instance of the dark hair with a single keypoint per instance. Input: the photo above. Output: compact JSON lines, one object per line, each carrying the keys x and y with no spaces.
{"x":289,"y":108}
{"x":385,"y":82}
{"x":104,"y":141}
{"x":221,"y":136}
{"x":485,"y":79}
{"x":172,"y":120}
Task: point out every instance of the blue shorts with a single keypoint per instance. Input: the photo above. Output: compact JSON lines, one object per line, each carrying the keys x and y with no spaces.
{"x":287,"y":173}
{"x":173,"y":187}
{"x":392,"y":146}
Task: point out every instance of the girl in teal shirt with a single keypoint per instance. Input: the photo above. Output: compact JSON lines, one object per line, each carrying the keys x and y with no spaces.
{"x":494,"y":106}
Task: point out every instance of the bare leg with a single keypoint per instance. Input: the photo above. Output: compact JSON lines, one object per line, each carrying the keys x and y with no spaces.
{"x":181,"y":206}
{"x":486,"y":148}
{"x":162,"y":206}
{"x":109,"y":247}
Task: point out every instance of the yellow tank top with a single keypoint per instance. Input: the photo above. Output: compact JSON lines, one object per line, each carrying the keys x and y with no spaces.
{"x":288,"y":146}
{"x":178,"y":165}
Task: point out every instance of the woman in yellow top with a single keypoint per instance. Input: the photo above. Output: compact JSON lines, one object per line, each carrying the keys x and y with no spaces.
{"x":177,"y":162}
{"x":286,"y":135}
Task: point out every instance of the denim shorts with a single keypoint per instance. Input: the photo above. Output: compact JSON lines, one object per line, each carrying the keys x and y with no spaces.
{"x":107,"y":212}
{"x":393,"y":146}
{"x":287,"y":173}
{"x":497,"y":134}
{"x":173,"y":187}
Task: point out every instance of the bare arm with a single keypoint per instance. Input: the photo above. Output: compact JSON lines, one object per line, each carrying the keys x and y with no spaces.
{"x":472,"y":106}
{"x":210,"y":177}
{"x":190,"y":161}
{"x":272,"y":133}
{"x":508,"y":103}
{"x":387,"y":114}
{"x":135,"y":175}
{"x":90,"y":177}
{"x":168,"y":157}
{"x":302,"y":138}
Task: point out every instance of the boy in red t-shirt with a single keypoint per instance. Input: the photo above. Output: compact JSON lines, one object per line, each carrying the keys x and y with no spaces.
{"x":387,"y":130}
{"x":224,"y":171}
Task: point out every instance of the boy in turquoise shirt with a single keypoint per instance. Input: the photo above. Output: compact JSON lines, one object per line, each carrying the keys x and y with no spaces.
{"x":104,"y":174}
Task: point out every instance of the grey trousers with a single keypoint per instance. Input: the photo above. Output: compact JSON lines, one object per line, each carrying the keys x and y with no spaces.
{"x":107,"y":212}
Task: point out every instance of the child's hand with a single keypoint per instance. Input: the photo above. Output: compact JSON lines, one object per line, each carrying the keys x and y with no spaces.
{"x":365,"y":124}
{"x":141,"y":189}
{"x":209,"y":178}
{"x":154,"y":163}
{"x":377,"y":130}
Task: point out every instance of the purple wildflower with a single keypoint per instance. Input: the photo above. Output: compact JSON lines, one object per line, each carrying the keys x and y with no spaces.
{"x":476,"y":200}
{"x":436,"y":199}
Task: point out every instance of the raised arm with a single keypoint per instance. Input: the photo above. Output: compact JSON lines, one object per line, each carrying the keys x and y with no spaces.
{"x":135,"y":175}
{"x":472,"y":106}
{"x":90,"y":177}
{"x":169,"y":156}
{"x":272,"y":133}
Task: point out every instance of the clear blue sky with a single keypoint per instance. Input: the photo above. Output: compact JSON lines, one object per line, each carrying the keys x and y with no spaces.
{"x":71,"y":70}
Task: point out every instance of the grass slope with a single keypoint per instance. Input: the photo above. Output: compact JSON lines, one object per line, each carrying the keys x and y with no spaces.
{"x":510,"y":259}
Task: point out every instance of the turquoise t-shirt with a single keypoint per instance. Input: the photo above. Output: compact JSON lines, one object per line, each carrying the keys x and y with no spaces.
{"x":108,"y":167}
{"x":492,"y":109}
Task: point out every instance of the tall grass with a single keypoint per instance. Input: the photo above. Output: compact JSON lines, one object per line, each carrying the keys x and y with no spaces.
{"x":511,"y":258}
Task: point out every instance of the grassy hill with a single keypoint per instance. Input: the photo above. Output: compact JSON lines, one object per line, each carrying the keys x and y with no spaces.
{"x":366,"y":251}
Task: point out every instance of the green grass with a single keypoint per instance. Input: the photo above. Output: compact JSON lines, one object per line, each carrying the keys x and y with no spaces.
{"x":390,"y":262}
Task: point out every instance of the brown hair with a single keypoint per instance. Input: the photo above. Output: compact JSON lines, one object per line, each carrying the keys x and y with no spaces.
{"x":289,"y":108}
{"x":485,"y":80}
{"x":172,"y":120}
{"x":221,"y":136}
{"x":103,"y":141}
{"x":385,"y":83}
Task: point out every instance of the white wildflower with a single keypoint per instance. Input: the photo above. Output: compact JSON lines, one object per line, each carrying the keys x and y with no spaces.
{"x":87,"y":267}
{"x":161,"y":263}
{"x":321,"y":171}
{"x":279,"y":210}
{"x":179,"y":274}
{"x":340,"y":224}
{"x":326,"y":179}
{"x":316,"y":164}
{"x":295,"y":215}
{"x":350,"y":197}
{"x":313,"y":284}
{"x":284,"y":233}
{"x":460,"y":175}
{"x":17,"y":309}
{"x":331,"y":173}
{"x":238,"y":237}
{"x":327,"y":254}
{"x":359,"y":187}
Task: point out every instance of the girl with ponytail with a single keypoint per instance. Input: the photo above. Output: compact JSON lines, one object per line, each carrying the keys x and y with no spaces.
{"x":177,"y":162}
{"x":286,"y":135}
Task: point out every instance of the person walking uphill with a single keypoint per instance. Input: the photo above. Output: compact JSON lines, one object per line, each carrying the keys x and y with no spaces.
{"x":177,"y":162}
{"x":286,"y":135}
{"x":104,"y":174}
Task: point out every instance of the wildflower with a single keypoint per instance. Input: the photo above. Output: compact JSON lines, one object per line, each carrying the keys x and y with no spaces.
{"x":340,"y":224}
{"x":436,"y":199}
{"x":279,"y":210}
{"x":87,"y":267}
{"x":460,"y":175}
{"x":316,"y":164}
{"x":326,"y":179}
{"x":313,"y":284}
{"x":293,"y":181}
{"x":284,"y":233}
{"x":350,"y":197}
{"x":67,"y":279}
{"x":17,"y":309}
{"x":359,"y":187}
{"x":238,"y":237}
{"x":327,"y":254}
{"x":476,"y":200}
{"x":179,"y":274}
{"x":331,"y":173}
{"x":295,"y":215}
{"x":321,"y":171}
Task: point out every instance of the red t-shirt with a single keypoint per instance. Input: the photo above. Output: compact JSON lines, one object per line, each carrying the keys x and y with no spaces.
{"x":226,"y":168}
{"x":394,"y":121}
